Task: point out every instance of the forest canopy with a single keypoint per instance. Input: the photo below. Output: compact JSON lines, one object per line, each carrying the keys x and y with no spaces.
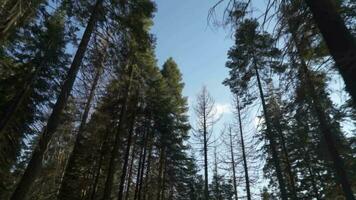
{"x":87,"y":112}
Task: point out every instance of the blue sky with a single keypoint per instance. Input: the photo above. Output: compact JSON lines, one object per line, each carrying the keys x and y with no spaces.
{"x":200,"y":50}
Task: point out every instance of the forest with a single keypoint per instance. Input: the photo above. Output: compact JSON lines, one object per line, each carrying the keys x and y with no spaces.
{"x":88,"y":113}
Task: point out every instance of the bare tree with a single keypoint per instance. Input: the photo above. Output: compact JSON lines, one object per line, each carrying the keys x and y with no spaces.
{"x":206,"y":117}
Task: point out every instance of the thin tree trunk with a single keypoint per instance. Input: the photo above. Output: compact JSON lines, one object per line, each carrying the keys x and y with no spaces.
{"x":164,"y":180}
{"x":206,"y":184}
{"x":126,"y":158}
{"x":138,"y":174}
{"x":273,"y":145}
{"x":233,"y":165}
{"x":147,"y":180}
{"x":68,"y":187}
{"x":342,"y":47}
{"x":35,"y":164}
{"x":142,"y":167}
{"x":97,"y":174}
{"x":247,"y":179}
{"x":160,"y":173}
{"x":115,"y":150}
{"x":288,"y":164}
{"x":129,"y":179}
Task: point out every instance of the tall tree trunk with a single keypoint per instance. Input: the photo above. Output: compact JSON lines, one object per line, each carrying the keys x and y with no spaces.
{"x":143,"y":163}
{"x":126,"y":157}
{"x":233,"y":165}
{"x":272,"y":145}
{"x":341,"y":45}
{"x":164,"y":180}
{"x":347,"y":69}
{"x":129,"y":178}
{"x":206,"y":184}
{"x":147,"y":180}
{"x":35,"y":164}
{"x":160,"y":172}
{"x":247,"y":179}
{"x":115,"y":149}
{"x":288,"y":168}
{"x":100,"y":162}
{"x":68,"y":184}
{"x":138,"y":174}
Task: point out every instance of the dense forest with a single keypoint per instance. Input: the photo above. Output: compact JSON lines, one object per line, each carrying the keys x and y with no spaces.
{"x":87,"y":113}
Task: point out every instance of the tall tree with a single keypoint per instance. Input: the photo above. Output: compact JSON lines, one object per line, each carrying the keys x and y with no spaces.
{"x":34,"y":165}
{"x":206,"y":118}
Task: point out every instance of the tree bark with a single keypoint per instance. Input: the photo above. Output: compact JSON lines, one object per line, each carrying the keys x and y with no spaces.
{"x":341,"y":45}
{"x":35,"y":164}
{"x":272,"y":145}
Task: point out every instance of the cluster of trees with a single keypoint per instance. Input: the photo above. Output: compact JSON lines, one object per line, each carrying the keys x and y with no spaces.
{"x":106,"y":123}
{"x":287,"y":70}
{"x":109,"y":123}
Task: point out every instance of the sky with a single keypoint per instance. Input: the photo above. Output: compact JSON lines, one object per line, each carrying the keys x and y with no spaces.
{"x":200,"y":49}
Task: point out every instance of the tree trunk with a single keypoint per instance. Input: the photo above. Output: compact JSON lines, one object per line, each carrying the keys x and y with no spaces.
{"x":129,"y":178}
{"x":233,"y":165}
{"x":147,"y":180}
{"x":272,"y":145}
{"x":341,"y":45}
{"x":288,"y":168}
{"x":335,"y":26}
{"x":35,"y":164}
{"x":160,"y":172}
{"x":138,"y":174}
{"x":206,"y":184}
{"x":126,"y":157}
{"x":247,"y":179}
{"x":115,"y":150}
{"x":97,"y":173}
{"x":68,"y":184}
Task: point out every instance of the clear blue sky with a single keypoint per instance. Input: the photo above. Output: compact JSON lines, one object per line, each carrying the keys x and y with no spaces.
{"x":200,"y":50}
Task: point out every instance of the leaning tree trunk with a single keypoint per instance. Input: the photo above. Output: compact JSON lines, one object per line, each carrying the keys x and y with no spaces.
{"x":69,"y":182}
{"x":233,"y":165}
{"x":247,"y":179}
{"x":340,"y":42}
{"x":317,"y":105}
{"x":35,"y":164}
{"x":272,"y":145}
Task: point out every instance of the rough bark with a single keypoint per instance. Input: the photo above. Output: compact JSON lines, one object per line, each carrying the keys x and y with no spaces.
{"x":35,"y":164}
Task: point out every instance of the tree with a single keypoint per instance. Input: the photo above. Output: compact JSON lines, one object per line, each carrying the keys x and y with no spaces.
{"x":206,"y":118}
{"x":34,"y":165}
{"x":254,"y":51}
